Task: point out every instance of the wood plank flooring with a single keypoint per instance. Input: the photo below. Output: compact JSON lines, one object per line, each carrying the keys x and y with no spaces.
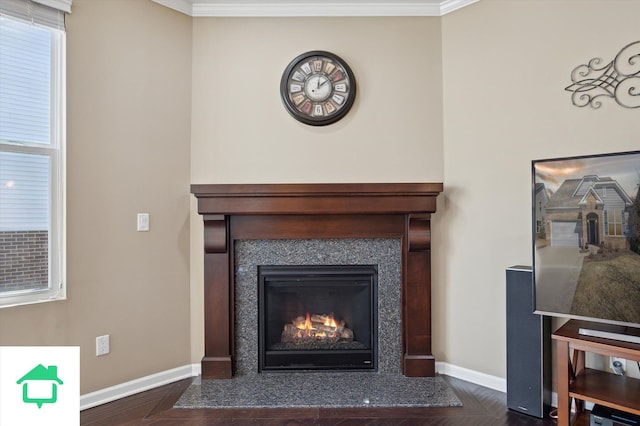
{"x":481,"y":406}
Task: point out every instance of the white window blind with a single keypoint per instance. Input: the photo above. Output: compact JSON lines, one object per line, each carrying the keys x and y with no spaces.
{"x":24,"y":192}
{"x":25,"y":125}
{"x":36,"y":12}
{"x":25,"y":81}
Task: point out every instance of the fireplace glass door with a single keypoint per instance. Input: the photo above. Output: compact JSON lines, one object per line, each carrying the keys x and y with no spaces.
{"x":317,"y":317}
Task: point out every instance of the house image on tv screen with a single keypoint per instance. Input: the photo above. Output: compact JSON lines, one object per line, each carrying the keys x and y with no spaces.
{"x":592,"y":210}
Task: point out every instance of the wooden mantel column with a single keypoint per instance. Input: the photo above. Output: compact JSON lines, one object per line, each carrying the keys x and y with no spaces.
{"x":416,"y":300}
{"x":319,"y":211}
{"x":218,"y":299}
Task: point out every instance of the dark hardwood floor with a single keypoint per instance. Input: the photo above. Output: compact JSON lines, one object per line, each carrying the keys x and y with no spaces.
{"x":481,"y":406}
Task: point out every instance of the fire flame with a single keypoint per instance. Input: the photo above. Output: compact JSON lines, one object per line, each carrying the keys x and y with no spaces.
{"x":316,"y":327}
{"x":330,"y":321}
{"x":307,"y":324}
{"x":308,"y":330}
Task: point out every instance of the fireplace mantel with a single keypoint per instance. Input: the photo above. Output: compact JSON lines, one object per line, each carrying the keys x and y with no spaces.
{"x":233,"y":212}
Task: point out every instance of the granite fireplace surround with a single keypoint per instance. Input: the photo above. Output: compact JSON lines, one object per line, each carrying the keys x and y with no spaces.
{"x":323,"y":219}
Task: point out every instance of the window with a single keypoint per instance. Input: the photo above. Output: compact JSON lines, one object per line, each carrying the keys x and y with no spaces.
{"x":613,"y":219}
{"x":32,"y":117}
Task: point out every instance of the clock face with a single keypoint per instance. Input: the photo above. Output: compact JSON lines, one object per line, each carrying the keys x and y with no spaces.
{"x":318,"y":88}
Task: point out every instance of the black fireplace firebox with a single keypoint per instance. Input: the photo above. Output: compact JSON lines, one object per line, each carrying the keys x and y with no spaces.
{"x":317,"y":317}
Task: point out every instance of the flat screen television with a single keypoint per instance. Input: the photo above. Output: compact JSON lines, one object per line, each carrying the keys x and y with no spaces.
{"x":586,"y":238}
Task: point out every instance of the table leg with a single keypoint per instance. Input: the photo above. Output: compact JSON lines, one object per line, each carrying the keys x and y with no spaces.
{"x":564,"y":375}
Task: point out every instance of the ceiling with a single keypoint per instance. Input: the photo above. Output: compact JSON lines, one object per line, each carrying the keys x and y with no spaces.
{"x":283,"y":8}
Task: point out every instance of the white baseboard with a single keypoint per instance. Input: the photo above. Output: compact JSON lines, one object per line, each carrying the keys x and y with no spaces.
{"x":482,"y":379}
{"x":142,"y":384}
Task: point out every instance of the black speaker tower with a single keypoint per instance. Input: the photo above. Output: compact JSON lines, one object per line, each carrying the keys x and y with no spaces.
{"x":528,"y":347}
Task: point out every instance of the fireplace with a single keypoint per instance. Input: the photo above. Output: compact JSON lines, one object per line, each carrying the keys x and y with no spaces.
{"x":317,"y":317}
{"x":236,"y":214}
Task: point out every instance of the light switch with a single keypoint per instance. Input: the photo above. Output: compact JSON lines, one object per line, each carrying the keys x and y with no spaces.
{"x":143,"y":222}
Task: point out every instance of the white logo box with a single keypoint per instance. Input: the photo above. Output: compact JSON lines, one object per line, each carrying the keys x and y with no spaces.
{"x":39,"y":385}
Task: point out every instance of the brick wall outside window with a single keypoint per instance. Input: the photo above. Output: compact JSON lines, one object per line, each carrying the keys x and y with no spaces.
{"x":24,"y":260}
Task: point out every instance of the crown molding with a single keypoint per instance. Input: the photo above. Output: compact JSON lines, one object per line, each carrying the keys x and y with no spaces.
{"x":449,"y":6}
{"x":62,"y":5}
{"x":230,"y":8}
{"x":183,"y":6}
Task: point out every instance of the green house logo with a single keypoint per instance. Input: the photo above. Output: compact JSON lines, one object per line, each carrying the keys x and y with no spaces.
{"x":40,"y":385}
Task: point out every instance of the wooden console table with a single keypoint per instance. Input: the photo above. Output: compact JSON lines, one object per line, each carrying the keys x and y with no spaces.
{"x":585,"y":384}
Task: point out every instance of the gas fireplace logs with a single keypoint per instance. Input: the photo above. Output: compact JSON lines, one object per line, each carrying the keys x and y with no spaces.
{"x":316,"y":329}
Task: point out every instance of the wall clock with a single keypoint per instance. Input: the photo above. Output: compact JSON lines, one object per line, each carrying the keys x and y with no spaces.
{"x":318,"y":88}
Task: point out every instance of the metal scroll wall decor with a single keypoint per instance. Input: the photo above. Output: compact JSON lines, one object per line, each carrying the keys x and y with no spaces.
{"x":619,"y":79}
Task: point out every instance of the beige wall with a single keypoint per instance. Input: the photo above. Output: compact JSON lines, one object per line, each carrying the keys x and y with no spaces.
{"x":242,"y":134}
{"x":129,"y":81}
{"x":505,"y":65}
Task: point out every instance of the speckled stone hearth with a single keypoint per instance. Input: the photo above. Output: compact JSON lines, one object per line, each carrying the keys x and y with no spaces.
{"x":312,"y":390}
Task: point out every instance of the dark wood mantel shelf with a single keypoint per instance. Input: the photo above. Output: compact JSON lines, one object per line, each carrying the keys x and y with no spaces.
{"x":234,"y":212}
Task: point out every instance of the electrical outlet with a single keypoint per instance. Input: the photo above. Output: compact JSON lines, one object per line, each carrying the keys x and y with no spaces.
{"x":618,"y":365}
{"x":102,"y":345}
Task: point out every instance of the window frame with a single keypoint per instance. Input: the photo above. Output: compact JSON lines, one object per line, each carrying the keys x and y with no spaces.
{"x":55,"y":151}
{"x":612,"y":223}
